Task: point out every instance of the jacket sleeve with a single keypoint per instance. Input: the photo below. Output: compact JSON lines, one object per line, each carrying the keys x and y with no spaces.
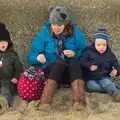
{"x":80,"y":41}
{"x":37,"y":47}
{"x":84,"y":59}
{"x":17,"y":67}
{"x":115,"y":63}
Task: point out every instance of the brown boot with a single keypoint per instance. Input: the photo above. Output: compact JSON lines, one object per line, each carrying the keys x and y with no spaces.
{"x":78,"y":94}
{"x":47,"y":96}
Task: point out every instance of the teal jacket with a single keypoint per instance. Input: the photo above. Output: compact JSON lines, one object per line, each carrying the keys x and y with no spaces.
{"x":45,"y":44}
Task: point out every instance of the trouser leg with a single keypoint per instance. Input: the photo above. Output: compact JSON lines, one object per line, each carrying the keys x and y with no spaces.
{"x":77,"y":82}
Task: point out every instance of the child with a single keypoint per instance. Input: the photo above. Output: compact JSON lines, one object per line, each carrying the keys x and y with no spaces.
{"x":98,"y":62}
{"x":10,"y":68}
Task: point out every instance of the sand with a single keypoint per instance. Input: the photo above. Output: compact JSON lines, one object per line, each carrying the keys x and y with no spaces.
{"x":98,"y":107}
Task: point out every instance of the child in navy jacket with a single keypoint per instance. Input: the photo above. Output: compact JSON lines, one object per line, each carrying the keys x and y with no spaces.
{"x":98,"y":62}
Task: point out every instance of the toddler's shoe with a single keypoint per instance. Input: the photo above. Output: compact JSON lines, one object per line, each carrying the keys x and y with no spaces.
{"x":116,"y":96}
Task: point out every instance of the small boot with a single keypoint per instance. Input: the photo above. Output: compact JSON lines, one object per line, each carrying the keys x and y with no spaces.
{"x":78,"y":94}
{"x":116,"y":96}
{"x":47,"y":96}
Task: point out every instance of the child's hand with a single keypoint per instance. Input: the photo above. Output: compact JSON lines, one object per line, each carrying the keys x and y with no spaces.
{"x":114,"y":72}
{"x":93,"y":67}
{"x":14,"y":80}
{"x":41,"y":58}
{"x":1,"y":65}
{"x":69,"y":53}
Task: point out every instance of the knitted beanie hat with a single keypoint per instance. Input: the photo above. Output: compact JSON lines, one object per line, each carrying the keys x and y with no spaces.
{"x":59,"y":15}
{"x":4,"y":34}
{"x":101,"y":33}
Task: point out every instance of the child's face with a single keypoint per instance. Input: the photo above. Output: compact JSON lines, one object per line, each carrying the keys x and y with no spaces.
{"x":100,"y":45}
{"x":3,"y":45}
{"x":57,"y":29}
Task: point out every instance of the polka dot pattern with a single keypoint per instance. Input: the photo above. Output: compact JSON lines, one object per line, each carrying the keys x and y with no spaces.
{"x":31,"y":89}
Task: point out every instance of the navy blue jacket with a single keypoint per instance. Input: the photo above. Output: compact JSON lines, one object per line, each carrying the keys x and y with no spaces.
{"x":104,"y":62}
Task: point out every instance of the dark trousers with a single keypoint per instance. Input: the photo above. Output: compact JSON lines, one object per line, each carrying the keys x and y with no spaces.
{"x":7,"y":89}
{"x":62,"y":72}
{"x":65,"y":72}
